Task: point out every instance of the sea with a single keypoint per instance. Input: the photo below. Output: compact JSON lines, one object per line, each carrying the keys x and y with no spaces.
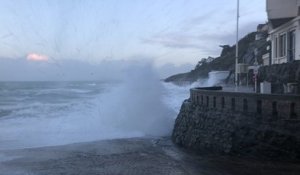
{"x":38,"y":114}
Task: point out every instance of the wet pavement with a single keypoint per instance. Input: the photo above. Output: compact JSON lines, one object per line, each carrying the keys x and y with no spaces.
{"x":131,"y":156}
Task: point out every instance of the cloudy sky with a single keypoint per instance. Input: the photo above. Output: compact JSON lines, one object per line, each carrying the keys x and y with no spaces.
{"x":171,"y":33}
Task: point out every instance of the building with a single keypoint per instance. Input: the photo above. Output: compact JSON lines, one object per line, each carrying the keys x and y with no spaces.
{"x":284,"y":30}
{"x":262,"y":31}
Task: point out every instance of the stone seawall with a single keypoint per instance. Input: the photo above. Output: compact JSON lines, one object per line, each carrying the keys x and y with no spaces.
{"x":240,"y":124}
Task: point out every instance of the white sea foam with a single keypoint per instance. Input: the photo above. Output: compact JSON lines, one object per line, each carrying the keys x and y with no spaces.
{"x":214,"y":78}
{"x":139,"y":106}
{"x":76,"y":112}
{"x":175,"y":95}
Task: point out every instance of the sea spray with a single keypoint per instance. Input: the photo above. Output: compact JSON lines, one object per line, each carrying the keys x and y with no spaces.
{"x":214,"y":78}
{"x":77,"y":112}
{"x":137,"y":104}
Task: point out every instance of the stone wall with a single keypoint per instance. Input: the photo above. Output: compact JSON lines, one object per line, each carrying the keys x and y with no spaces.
{"x":280,"y":75}
{"x":260,"y":125}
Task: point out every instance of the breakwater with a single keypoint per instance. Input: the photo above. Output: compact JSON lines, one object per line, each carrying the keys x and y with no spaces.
{"x":260,"y":125}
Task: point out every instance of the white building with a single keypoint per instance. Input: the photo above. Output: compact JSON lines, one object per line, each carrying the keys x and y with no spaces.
{"x":284,"y":30}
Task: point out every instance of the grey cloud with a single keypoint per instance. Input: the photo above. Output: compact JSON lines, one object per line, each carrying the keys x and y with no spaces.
{"x":7,"y":35}
{"x":63,"y":70}
{"x":197,"y":21}
{"x":173,"y":40}
{"x":206,"y":43}
{"x":76,"y":70}
{"x":200,"y":38}
{"x":228,"y":37}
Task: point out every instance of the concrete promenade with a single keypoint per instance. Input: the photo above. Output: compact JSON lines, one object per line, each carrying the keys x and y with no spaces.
{"x":131,"y":156}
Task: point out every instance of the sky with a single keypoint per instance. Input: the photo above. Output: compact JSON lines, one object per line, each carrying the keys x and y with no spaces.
{"x":173,"y":34}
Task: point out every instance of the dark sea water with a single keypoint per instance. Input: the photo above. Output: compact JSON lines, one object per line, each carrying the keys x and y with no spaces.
{"x":37,"y":99}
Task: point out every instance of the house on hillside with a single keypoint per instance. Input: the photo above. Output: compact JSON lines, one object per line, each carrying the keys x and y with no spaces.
{"x":262,"y":31}
{"x":284,"y":30}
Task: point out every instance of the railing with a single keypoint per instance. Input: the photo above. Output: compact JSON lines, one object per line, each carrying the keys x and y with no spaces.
{"x":277,"y":106}
{"x":279,"y":60}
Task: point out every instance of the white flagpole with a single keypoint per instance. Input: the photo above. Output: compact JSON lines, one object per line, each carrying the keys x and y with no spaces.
{"x":237,"y":43}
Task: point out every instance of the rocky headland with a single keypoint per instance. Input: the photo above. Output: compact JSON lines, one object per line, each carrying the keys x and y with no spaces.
{"x":226,"y":60}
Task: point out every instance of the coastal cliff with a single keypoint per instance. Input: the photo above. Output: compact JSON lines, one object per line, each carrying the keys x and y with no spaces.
{"x":240,"y":124}
{"x":226,"y":60}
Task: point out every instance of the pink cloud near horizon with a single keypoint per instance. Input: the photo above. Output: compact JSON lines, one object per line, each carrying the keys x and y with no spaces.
{"x":37,"y":57}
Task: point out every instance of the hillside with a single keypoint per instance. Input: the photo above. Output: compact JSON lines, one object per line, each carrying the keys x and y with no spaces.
{"x":226,"y":60}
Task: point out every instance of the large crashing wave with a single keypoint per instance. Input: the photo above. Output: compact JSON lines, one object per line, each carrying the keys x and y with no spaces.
{"x":137,"y":104}
{"x":133,"y":108}
{"x":141,"y":105}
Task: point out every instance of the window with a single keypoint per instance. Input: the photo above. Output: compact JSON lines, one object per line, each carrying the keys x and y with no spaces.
{"x":292,"y":44}
{"x":276,"y":47}
{"x":282,"y":45}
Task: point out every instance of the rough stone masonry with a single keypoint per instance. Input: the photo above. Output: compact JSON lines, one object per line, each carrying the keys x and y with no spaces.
{"x":207,"y":128}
